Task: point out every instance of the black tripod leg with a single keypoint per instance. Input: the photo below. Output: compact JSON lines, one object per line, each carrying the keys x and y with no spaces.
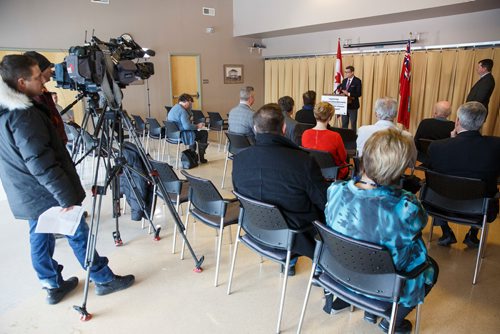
{"x":115,"y":190}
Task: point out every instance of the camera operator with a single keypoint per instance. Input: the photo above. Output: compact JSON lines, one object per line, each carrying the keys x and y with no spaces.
{"x":37,"y":174}
{"x":46,"y":97}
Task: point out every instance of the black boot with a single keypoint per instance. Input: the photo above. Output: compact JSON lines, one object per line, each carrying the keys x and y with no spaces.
{"x":202,"y":147}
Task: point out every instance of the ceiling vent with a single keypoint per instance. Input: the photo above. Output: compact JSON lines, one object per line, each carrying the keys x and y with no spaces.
{"x":208,"y":11}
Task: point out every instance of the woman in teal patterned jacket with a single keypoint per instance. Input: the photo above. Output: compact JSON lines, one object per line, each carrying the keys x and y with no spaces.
{"x":374,"y":208}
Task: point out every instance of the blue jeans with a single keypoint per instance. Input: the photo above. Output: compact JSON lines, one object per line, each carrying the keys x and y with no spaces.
{"x":49,"y":271}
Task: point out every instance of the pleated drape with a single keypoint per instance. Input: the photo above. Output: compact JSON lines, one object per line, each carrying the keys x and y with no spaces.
{"x":436,"y":75}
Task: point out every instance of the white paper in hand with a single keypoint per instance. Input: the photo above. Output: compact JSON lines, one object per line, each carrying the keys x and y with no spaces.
{"x":54,"y":220}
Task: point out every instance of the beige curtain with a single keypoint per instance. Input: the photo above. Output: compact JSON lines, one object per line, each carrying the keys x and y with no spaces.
{"x":436,"y":75}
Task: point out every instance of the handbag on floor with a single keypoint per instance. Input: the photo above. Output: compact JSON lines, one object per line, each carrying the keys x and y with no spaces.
{"x":189,"y":159}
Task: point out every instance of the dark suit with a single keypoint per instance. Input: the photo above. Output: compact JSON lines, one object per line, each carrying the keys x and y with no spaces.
{"x":277,"y":171}
{"x":433,"y":129}
{"x":482,"y":90}
{"x":306,"y":115}
{"x":469,"y":154}
{"x":352,"y":107}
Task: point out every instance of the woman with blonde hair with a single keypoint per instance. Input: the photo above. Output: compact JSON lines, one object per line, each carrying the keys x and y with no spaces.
{"x":374,"y":208}
{"x":320,"y":138}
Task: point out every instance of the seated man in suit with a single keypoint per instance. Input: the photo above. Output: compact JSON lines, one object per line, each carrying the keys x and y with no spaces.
{"x":468,"y":154}
{"x":438,"y":127}
{"x":306,"y":114}
{"x":240,"y":118}
{"x":386,"y":110}
{"x":277,"y":171}
{"x":181,"y":115}
{"x":286,"y":104}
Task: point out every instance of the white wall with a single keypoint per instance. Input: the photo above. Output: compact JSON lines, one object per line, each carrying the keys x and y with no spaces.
{"x":166,"y":26}
{"x":464,"y":28}
{"x":256,"y":16}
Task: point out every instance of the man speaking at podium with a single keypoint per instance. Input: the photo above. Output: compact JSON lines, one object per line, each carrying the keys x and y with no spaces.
{"x":350,"y":87}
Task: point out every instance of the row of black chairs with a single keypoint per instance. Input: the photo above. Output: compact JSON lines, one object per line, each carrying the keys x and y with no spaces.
{"x":350,"y":267}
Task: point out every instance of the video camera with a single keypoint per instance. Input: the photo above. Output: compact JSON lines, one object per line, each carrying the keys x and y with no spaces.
{"x":84,"y":69}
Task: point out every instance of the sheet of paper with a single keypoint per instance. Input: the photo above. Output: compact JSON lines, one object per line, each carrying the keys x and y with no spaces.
{"x":54,"y":220}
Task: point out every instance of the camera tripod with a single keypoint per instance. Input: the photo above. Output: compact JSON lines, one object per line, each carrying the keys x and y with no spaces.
{"x":109,"y":129}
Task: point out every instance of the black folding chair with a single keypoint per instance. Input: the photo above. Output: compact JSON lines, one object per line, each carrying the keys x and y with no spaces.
{"x":360,"y":273}
{"x":155,"y":131}
{"x":299,"y":130}
{"x":422,"y":147}
{"x":237,"y":143}
{"x":198,"y":116}
{"x":177,"y":190}
{"x":329,"y":168}
{"x":140,"y":127}
{"x":266,"y":233}
{"x":349,"y":137}
{"x":173,"y":136}
{"x":458,"y":200}
{"x":217,"y":123}
{"x":207,"y":205}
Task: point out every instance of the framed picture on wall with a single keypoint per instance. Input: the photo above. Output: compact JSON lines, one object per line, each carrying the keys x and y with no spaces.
{"x":233,"y":74}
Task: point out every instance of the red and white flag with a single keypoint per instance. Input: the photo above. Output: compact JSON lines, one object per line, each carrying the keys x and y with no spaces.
{"x":404,"y":89}
{"x":338,"y":69}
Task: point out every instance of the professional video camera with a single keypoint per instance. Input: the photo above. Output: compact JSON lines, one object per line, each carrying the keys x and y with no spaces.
{"x":84,"y":69}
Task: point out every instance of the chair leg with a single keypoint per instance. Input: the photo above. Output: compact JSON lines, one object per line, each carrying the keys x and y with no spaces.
{"x":486,"y":231}
{"x":178,"y":154}
{"x":432,"y":228}
{"x":185,"y":230}
{"x":153,"y":209}
{"x":417,"y":319}
{"x":482,"y":242}
{"x":219,"y":246}
{"x":283,"y":290}
{"x":233,"y":262}
{"x":392,"y":323}
{"x":308,"y":292}
{"x":174,"y":236}
{"x":225,"y":169}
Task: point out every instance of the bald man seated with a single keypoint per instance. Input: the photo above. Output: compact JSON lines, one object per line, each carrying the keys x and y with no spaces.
{"x":437,"y":127}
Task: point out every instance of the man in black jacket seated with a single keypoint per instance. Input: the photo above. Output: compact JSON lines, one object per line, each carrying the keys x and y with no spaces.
{"x":37,"y":173}
{"x":468,"y":154}
{"x":437,"y":127}
{"x":277,"y":171}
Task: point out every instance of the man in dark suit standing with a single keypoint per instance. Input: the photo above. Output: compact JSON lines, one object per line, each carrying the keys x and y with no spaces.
{"x":351,"y":87}
{"x":483,"y":88}
{"x":277,"y":171}
{"x":468,"y":154}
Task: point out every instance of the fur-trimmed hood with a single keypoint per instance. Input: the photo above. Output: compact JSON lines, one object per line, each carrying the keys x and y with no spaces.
{"x":11,"y":99}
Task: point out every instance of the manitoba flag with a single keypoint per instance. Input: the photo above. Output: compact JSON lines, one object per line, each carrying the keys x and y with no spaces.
{"x":338,"y":69}
{"x":404,"y":89}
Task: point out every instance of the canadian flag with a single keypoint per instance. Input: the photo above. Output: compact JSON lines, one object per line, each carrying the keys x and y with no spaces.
{"x":338,"y":69}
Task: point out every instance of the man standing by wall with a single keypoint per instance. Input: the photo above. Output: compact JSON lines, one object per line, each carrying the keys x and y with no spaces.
{"x":483,"y":88}
{"x":351,"y":87}
{"x":37,"y":174}
{"x":241,"y":117}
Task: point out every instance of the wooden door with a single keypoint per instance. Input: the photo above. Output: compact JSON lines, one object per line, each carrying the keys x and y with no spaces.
{"x":185,"y":78}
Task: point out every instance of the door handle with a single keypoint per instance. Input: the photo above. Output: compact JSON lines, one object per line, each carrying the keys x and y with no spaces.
{"x":192,"y":95}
